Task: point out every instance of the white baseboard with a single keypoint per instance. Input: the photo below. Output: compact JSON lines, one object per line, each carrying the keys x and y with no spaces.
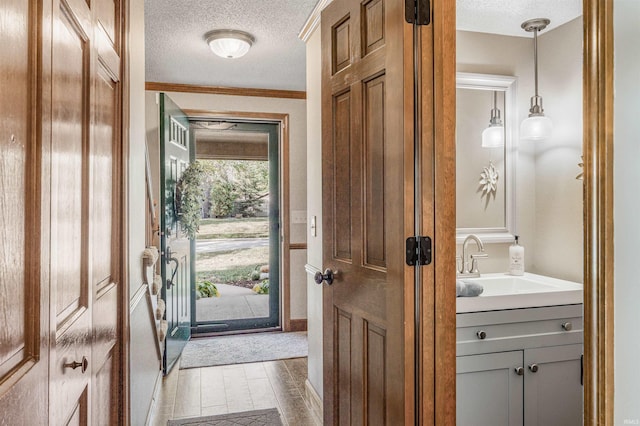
{"x":154,"y":400}
{"x":314,"y":400}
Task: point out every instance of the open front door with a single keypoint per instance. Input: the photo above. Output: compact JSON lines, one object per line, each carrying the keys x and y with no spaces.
{"x":175,"y":246}
{"x":368,"y":211}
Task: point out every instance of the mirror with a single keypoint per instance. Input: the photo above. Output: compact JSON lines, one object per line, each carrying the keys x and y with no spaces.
{"x":485,"y":176}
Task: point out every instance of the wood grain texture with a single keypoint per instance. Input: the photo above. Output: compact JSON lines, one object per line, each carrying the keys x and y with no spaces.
{"x":443,"y":106}
{"x":220,"y":90}
{"x":598,"y":213}
{"x":367,"y":164}
{"x":24,"y":290}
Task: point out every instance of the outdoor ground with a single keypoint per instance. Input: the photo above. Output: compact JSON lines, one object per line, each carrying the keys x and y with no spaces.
{"x":228,"y":250}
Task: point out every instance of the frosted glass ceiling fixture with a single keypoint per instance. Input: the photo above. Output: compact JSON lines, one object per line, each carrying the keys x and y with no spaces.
{"x":493,"y":136}
{"x":537,"y":126}
{"x":229,"y":44}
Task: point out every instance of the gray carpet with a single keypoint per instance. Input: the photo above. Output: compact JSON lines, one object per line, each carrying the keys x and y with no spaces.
{"x":240,"y":349}
{"x":269,"y":417}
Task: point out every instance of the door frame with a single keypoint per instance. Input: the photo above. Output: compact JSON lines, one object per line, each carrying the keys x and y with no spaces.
{"x":598,"y":208}
{"x":285,"y":250}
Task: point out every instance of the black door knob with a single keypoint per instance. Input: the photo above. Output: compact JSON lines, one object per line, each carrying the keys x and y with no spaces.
{"x":327,"y":277}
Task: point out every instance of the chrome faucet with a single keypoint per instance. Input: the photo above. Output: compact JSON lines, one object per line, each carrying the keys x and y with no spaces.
{"x":467,"y":266}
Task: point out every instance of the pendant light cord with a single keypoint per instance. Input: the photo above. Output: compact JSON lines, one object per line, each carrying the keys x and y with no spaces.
{"x":535,"y":58}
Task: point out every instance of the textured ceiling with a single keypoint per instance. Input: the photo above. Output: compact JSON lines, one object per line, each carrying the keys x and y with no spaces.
{"x":177,"y":53}
{"x":505,"y":16}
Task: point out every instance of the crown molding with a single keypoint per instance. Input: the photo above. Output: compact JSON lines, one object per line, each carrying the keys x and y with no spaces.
{"x":313,"y":20}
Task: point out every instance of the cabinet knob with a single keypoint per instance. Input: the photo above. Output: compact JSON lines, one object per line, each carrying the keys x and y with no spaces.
{"x":519,"y":371}
{"x":481,"y":334}
{"x":84,"y":364}
{"x":534,"y":368}
{"x":566,"y":326}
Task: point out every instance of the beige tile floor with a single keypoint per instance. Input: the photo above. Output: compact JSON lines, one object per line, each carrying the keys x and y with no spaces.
{"x":235,"y":388}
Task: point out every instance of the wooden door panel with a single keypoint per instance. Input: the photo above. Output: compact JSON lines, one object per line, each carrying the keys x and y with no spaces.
{"x":24,"y":296}
{"x":343,"y":177}
{"x":102,"y":203}
{"x":103,"y":410}
{"x":365,"y":126}
{"x":374,"y":173}
{"x":70,"y":311}
{"x":79,"y":413}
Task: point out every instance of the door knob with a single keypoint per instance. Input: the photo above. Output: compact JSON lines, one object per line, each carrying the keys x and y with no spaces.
{"x":84,"y":364}
{"x":534,"y":368}
{"x":327,"y":277}
{"x":519,"y":371}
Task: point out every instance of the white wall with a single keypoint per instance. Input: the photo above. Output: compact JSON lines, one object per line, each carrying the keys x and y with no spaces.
{"x":144,"y":363}
{"x":296,"y":108}
{"x":626,"y":206}
{"x":314,"y":208}
{"x":558,"y":246}
{"x":549,"y":199}
{"x":512,"y":56}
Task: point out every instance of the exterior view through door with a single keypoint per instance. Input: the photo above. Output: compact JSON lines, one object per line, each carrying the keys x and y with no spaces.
{"x":237,"y":247}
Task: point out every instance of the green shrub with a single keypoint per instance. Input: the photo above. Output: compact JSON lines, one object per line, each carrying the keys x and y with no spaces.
{"x":208,"y":289}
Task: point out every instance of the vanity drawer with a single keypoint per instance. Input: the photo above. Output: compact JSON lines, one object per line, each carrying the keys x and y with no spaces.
{"x":498,"y":331}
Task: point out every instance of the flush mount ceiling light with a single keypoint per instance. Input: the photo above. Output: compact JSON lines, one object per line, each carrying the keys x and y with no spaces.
{"x":229,"y":44}
{"x":536,"y":127}
{"x":493,"y":136}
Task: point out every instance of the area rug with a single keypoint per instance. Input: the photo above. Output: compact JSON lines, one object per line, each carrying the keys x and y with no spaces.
{"x":240,"y":349}
{"x":269,"y":417}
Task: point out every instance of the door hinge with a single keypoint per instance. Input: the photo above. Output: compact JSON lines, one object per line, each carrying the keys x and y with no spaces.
{"x":417,"y":12}
{"x":418,"y":251}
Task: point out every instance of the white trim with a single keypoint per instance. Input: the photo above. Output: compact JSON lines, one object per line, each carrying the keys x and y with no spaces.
{"x":313,"y":20}
{"x":508,"y":84}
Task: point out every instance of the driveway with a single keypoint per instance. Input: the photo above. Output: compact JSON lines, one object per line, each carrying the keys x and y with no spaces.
{"x":213,"y":246}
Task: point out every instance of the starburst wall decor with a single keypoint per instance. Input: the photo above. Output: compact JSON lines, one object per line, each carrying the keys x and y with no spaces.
{"x":488,"y":184}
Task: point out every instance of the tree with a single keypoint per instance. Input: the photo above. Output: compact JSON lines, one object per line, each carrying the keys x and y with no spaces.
{"x":236,"y":186}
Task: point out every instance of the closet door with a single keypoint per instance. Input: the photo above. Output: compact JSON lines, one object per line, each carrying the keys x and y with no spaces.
{"x":24,"y":295}
{"x":84,"y":238}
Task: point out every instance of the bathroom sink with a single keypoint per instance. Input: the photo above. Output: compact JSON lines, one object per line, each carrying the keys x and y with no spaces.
{"x":503,"y":291}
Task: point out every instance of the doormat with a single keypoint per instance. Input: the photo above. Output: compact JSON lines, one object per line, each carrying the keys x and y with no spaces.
{"x":244,"y":348}
{"x":269,"y":417}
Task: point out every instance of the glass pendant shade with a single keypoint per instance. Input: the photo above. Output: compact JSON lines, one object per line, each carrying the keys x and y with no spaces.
{"x":536,"y":128}
{"x":493,"y":137}
{"x":229,"y":44}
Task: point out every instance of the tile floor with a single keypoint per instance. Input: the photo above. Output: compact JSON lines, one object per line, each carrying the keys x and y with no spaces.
{"x":235,"y":388}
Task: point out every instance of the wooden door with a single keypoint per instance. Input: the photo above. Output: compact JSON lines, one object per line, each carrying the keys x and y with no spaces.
{"x":24,"y":291}
{"x":61,"y":234}
{"x":367,"y":89}
{"x":175,"y":146}
{"x":553,"y":386}
{"x":84,"y":241}
{"x":490,"y":389}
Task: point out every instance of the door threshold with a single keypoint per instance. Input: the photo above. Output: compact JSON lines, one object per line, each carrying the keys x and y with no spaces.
{"x":195,"y":334}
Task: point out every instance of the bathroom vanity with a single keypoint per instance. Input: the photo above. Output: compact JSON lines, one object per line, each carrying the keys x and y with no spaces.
{"x":519,"y":353}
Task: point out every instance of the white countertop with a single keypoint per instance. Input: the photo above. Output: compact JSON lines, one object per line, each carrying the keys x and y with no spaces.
{"x":504,"y":291}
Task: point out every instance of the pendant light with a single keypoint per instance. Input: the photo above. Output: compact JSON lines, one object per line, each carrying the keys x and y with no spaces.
{"x":537,"y":126}
{"x":493,"y":136}
{"x":229,"y":44}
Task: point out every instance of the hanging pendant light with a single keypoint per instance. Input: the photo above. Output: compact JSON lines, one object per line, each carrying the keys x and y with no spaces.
{"x":537,"y":126}
{"x":493,"y":136}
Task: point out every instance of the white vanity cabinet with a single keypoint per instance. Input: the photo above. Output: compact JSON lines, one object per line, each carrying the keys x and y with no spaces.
{"x":520,"y":367}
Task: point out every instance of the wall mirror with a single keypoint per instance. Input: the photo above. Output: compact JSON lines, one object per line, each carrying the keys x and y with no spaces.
{"x":485,"y":161}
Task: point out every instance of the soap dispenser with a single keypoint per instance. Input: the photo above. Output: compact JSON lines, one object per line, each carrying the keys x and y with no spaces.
{"x":516,"y":258}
